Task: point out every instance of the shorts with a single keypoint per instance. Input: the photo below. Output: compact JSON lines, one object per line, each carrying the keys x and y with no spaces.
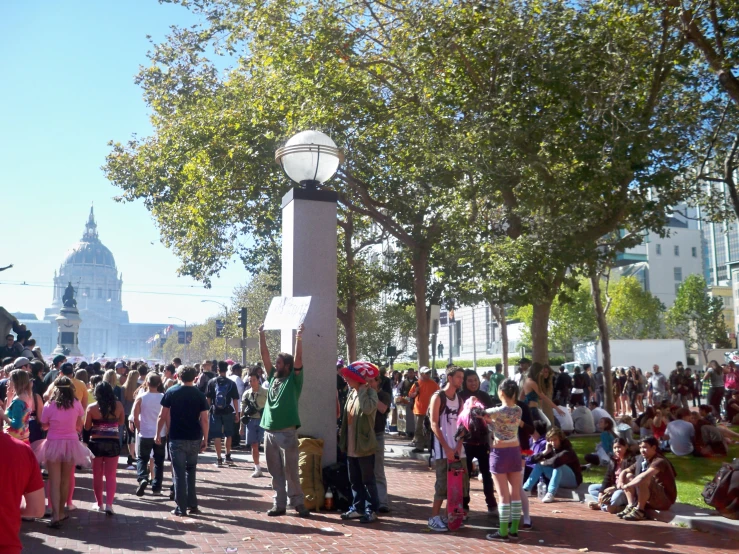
{"x":505,"y":460}
{"x":220,"y":426}
{"x":441,"y":471}
{"x":658,"y":499}
{"x":254,"y":432}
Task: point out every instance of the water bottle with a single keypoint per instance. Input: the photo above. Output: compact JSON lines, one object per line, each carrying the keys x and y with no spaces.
{"x":328,"y":501}
{"x":541,"y":488}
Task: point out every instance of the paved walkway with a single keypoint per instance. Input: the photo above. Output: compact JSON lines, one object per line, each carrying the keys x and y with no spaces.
{"x":234,"y":520}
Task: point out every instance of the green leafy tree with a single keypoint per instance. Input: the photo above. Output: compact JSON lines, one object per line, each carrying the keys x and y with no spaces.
{"x":696,"y":317}
{"x":634,"y":313}
{"x":379,"y":325}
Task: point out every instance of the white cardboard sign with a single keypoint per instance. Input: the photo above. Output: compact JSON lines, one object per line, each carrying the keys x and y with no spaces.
{"x":286,"y":312}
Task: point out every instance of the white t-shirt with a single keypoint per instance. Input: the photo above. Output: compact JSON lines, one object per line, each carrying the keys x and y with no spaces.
{"x":600,"y":413}
{"x":681,"y":435}
{"x":448,"y":426}
{"x":658,"y":382}
{"x":564,"y":422}
{"x":583,"y":420}
{"x":239,"y":384}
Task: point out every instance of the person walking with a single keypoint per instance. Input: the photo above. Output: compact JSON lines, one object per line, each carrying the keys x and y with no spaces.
{"x":281,"y":421}
{"x":421,"y":392}
{"x":62,"y":418}
{"x":223,"y":399}
{"x":252,"y":408}
{"x":145,"y":413}
{"x":103,"y":419}
{"x":184,"y":411}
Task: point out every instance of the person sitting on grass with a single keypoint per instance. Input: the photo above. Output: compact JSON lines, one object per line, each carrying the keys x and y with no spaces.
{"x":732,"y":408}
{"x":559,"y":463}
{"x":610,"y":496}
{"x":604,"y":448}
{"x":649,"y":482}
{"x":681,"y":434}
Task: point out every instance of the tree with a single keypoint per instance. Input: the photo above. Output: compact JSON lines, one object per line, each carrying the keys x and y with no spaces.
{"x":256,"y":297}
{"x":696,"y":317}
{"x":381,"y":324}
{"x":633,"y":312}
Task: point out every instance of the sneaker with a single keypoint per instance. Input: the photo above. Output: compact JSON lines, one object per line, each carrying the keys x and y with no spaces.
{"x":512,"y":536}
{"x":131,"y":467}
{"x":156,"y":492}
{"x":437,"y":524}
{"x":228,"y":459}
{"x":109,"y":510}
{"x":526,"y":526}
{"x":302,"y":511}
{"x":625,"y":512}
{"x":369,"y":517}
{"x":635,"y":515}
{"x":99,"y":509}
{"x":257,"y":472}
{"x":141,"y":488}
{"x":274,"y":511}
{"x":219,"y":462}
{"x":496,"y":536}
{"x":351,"y":514}
{"x":548,"y":498}
{"x":194,"y":511}
{"x":383,"y":510}
{"x":177,"y":512}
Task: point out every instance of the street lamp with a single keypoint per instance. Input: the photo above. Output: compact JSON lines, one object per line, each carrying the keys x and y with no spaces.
{"x":187,"y":347}
{"x":309,"y":158}
{"x":225,"y":340}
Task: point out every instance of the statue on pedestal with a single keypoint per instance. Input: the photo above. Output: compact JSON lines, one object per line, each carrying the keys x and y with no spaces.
{"x":68,"y":298}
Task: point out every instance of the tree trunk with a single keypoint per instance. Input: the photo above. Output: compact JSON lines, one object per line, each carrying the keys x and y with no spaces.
{"x":419,"y":265}
{"x":605,"y":343}
{"x":498,"y":311}
{"x":348,"y":320}
{"x":540,"y":332}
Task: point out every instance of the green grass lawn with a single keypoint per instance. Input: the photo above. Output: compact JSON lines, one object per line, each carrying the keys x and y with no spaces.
{"x":692,"y":473}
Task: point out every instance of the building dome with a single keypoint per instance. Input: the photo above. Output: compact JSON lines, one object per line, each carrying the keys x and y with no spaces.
{"x":89,"y":250}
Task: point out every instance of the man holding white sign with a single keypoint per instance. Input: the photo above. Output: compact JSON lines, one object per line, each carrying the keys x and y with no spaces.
{"x":280,"y":422}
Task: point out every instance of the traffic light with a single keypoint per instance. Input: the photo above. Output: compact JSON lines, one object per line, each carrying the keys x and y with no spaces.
{"x":242,"y":318}
{"x":180,"y":337}
{"x":220,"y":324}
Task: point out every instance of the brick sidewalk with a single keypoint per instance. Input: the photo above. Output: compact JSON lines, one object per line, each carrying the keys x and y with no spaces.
{"x":234,"y":520}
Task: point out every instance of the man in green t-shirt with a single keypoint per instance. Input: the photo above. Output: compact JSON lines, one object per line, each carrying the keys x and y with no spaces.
{"x":495,"y":380}
{"x":280,"y":422}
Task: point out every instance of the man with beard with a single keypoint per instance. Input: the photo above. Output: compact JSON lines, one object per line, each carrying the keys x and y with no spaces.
{"x":280,"y":422}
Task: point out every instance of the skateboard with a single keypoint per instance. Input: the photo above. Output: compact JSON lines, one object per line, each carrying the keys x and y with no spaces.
{"x":454,"y":493}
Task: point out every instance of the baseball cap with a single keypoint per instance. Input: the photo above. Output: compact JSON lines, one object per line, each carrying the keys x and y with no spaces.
{"x":424,"y":369}
{"x":120,"y":365}
{"x":360,"y":371}
{"x":20,"y":362}
{"x":524,"y":361}
{"x":59,"y":358}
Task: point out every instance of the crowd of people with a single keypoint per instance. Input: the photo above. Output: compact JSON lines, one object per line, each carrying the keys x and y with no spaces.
{"x":513,"y":432}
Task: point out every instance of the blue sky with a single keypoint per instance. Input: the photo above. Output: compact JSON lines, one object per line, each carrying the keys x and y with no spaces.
{"x":66,"y":89}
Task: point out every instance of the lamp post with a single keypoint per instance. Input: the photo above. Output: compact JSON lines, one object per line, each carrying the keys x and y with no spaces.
{"x":311,"y":158}
{"x":187,"y":346}
{"x":225,"y":340}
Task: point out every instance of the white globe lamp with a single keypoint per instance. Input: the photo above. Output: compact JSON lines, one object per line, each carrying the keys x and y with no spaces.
{"x":309,"y":158}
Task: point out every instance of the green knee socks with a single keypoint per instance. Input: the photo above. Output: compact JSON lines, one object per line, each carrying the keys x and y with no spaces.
{"x":504,"y":510}
{"x":515,"y":515}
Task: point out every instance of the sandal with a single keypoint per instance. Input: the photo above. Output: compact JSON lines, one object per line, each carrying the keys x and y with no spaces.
{"x":54,"y":524}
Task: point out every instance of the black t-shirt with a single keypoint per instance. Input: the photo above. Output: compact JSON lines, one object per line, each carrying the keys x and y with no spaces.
{"x":203,"y":381}
{"x":37,"y":386}
{"x":232,"y":393}
{"x":380,"y":419}
{"x":185,"y":404}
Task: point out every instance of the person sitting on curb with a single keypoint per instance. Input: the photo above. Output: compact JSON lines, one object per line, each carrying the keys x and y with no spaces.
{"x":650,"y":482}
{"x":609,"y":494}
{"x":357,"y":439}
{"x":559,"y":463}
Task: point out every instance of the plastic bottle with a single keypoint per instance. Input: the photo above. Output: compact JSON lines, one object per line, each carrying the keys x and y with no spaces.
{"x":541,"y":488}
{"x":328,"y":500}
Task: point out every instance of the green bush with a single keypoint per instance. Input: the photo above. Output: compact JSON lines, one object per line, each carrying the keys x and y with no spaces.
{"x":465,"y":364}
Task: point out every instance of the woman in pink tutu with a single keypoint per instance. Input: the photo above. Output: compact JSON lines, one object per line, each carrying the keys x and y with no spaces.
{"x":61,"y":450}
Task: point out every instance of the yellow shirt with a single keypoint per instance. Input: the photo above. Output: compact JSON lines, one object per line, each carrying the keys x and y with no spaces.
{"x":80,"y":390}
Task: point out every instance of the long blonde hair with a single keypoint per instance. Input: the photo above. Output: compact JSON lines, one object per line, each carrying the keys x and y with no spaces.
{"x":111,"y":377}
{"x":21,"y":380}
{"x":132,"y":384}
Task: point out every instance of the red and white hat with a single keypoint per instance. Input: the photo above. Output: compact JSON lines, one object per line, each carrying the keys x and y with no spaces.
{"x":360,"y":371}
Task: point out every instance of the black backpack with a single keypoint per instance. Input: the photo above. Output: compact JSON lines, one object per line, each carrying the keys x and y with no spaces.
{"x":723,"y":492}
{"x":336,"y":479}
{"x":427,"y":420}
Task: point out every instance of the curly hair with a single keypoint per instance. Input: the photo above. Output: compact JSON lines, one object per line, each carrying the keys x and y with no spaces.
{"x":63,"y":395}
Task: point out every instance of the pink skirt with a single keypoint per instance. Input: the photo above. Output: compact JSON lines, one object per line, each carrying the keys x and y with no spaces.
{"x":62,"y":450}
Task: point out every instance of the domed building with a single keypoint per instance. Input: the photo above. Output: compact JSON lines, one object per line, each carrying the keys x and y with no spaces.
{"x":105,"y":330}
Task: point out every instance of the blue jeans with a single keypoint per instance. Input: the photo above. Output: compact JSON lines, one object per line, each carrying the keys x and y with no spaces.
{"x":184,"y":461}
{"x":563,"y":476}
{"x":618,"y":498}
{"x":364,"y":486}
